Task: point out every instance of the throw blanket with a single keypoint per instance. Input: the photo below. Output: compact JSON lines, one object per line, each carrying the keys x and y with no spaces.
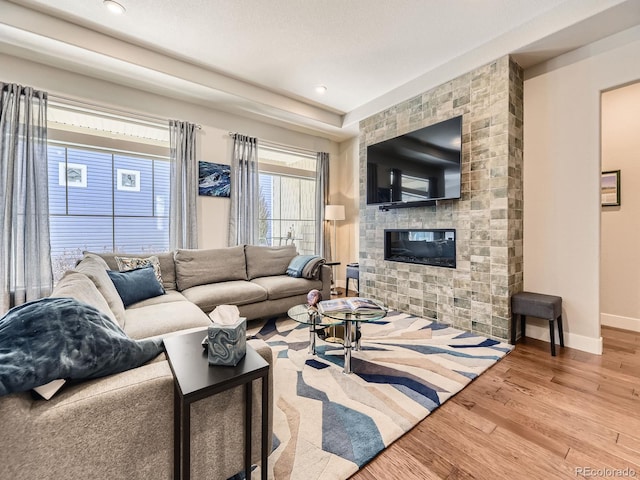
{"x":306,"y":266}
{"x":54,"y":338}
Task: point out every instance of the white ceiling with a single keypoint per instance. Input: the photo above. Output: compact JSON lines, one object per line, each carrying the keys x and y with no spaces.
{"x":263,"y":58}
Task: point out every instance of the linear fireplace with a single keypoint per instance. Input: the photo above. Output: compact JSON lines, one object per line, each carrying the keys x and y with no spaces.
{"x":425,"y":247}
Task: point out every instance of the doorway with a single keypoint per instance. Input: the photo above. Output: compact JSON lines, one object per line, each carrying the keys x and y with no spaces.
{"x":620,"y":223}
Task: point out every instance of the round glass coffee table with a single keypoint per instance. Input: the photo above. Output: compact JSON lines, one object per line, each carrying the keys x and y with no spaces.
{"x":338,"y":320}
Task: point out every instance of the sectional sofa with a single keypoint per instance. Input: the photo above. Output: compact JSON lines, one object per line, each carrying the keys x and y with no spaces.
{"x":252,"y":277}
{"x":121,"y":426}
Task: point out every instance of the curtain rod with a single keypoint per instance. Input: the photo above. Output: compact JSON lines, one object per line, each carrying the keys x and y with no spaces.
{"x":275,"y":145}
{"x":116,"y":113}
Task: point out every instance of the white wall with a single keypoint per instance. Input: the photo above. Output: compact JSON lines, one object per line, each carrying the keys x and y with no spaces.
{"x":345,"y":179}
{"x":620,"y":225}
{"x":214,"y":143}
{"x":561,"y":179}
{"x":213,"y":212}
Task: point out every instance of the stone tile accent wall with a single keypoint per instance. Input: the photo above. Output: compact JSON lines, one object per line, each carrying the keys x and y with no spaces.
{"x":475,"y":296}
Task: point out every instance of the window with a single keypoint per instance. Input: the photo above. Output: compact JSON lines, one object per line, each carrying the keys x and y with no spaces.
{"x":414,"y":188}
{"x":287,"y":199}
{"x":108,"y":184}
{"x":105,"y":202}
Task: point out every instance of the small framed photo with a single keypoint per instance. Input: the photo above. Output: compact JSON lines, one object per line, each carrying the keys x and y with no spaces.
{"x":72,"y":175}
{"x":128,"y":180}
{"x":610,"y":188}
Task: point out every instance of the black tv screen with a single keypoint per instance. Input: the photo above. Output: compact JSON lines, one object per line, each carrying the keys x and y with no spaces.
{"x":418,"y":167}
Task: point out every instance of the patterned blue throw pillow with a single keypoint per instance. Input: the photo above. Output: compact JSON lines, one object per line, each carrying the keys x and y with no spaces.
{"x":54,"y":338}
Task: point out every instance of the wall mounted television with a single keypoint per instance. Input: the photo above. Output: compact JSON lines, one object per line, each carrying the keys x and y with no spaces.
{"x":416,"y":168}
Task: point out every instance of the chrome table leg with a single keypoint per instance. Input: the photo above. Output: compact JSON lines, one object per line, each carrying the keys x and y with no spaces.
{"x":347,"y":346}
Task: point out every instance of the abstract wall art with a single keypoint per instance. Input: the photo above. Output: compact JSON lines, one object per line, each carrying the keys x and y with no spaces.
{"x":214,"y":179}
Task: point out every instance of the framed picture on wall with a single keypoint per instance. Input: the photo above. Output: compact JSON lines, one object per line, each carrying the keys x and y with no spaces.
{"x":72,"y":175}
{"x":610,"y":188}
{"x":128,"y":180}
{"x":214,"y":179}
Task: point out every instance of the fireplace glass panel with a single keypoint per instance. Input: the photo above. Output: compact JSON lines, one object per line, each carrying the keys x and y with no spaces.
{"x":425,"y":246}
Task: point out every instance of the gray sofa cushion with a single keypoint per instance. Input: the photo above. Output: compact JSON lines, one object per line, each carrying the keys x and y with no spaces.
{"x":201,"y":267}
{"x":163,"y":318}
{"x":95,"y":268}
{"x":238,"y":292}
{"x":169,"y":296}
{"x":271,"y":308}
{"x":167,"y":265}
{"x":282,"y":286}
{"x":267,"y":261}
{"x":79,"y":286}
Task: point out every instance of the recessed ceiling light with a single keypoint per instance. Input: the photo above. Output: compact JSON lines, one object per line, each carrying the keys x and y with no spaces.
{"x":321,"y":89}
{"x":114,"y":7}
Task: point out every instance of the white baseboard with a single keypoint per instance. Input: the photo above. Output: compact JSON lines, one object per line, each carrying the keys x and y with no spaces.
{"x":571,"y":340}
{"x":618,"y":321}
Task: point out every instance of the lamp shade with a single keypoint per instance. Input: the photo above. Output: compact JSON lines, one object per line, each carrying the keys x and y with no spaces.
{"x":334,"y":212}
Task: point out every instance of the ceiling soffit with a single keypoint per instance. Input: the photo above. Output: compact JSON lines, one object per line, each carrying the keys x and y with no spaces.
{"x":45,"y":39}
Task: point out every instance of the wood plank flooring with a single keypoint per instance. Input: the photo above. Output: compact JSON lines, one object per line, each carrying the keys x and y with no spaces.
{"x":531,"y":416}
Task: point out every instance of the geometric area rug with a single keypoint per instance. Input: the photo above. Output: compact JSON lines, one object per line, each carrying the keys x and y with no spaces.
{"x":327,"y":425}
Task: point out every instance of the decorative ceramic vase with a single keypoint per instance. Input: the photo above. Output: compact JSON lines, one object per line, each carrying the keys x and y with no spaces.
{"x":313,"y":297}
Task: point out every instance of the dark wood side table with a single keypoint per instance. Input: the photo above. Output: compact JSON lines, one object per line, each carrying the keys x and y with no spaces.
{"x":334,"y":289}
{"x":195,"y":379}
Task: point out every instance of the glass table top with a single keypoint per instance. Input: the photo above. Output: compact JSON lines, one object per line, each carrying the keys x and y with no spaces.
{"x":310,"y":316}
{"x":305,"y":314}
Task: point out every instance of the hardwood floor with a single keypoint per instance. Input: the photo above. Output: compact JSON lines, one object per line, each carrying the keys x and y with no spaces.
{"x":531,"y":416}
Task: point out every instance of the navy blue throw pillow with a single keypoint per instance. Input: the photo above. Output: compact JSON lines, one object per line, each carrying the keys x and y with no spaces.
{"x":62,"y":338}
{"x":136,"y":285}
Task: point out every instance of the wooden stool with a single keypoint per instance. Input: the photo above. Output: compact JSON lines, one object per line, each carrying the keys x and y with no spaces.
{"x":537,"y":305}
{"x":353,"y":271}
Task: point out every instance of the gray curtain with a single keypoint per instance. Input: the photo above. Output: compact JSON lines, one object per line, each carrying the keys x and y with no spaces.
{"x":245,"y":190}
{"x":323,"y":239}
{"x":25,"y":262}
{"x":183,"y":227}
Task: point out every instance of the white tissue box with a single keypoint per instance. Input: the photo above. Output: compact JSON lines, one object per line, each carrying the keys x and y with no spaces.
{"x":227,"y":343}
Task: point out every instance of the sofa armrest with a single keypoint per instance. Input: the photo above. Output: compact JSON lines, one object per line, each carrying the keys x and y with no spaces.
{"x":121,"y":426}
{"x":326,"y":275}
{"x":112,"y":427}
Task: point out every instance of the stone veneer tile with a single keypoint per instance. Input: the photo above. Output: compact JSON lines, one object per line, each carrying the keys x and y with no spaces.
{"x":488,"y":217}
